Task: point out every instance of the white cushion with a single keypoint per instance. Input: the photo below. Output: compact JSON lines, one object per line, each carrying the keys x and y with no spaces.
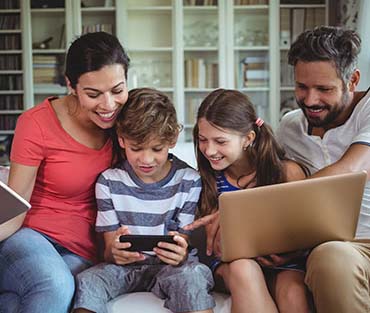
{"x":139,"y":302}
{"x":185,"y":152}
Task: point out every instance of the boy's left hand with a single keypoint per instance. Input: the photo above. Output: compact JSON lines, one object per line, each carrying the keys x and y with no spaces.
{"x":172,"y":254}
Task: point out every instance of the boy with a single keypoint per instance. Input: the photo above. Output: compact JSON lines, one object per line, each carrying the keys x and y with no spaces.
{"x":149,"y":192}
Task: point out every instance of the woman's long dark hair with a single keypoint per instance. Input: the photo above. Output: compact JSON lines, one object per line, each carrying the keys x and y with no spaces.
{"x":231,"y":109}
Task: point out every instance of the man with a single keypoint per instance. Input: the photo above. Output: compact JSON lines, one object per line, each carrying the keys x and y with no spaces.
{"x":330,"y":134}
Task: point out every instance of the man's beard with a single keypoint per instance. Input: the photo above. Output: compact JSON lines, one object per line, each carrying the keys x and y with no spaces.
{"x":331,"y":116}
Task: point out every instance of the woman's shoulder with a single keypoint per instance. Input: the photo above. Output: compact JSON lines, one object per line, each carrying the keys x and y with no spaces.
{"x":293,"y":170}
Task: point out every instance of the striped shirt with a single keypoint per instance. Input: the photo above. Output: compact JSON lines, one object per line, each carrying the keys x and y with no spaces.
{"x":147,"y":209}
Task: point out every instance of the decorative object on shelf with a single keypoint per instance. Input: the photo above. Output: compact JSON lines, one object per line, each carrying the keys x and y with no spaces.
{"x":284,"y":39}
{"x":45,"y":44}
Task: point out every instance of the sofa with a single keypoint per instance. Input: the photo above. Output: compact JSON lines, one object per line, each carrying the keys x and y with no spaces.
{"x":147,"y":302}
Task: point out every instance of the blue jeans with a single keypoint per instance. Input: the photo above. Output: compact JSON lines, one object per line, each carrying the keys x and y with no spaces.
{"x":37,"y":274}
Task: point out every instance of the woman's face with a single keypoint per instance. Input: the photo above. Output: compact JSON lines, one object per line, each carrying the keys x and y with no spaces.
{"x":102,"y":94}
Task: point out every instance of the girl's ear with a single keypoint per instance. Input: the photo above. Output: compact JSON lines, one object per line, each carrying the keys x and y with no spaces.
{"x":249,"y":139}
{"x":71,"y":90}
{"x":121,"y":142}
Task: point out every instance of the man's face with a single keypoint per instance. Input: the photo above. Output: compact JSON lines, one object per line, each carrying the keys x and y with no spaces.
{"x":320,"y":94}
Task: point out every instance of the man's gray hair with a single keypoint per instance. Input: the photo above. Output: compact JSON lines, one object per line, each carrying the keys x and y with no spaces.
{"x":327,"y":43}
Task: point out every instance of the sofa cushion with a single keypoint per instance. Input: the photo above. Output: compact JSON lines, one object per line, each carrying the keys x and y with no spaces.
{"x":139,"y":302}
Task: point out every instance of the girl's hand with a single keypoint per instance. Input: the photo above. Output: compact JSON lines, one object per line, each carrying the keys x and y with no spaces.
{"x":119,"y":255}
{"x":172,"y":254}
{"x":212,"y":225}
{"x":273,"y":260}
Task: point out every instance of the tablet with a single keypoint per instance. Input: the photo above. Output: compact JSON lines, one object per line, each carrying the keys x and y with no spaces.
{"x":11,"y":204}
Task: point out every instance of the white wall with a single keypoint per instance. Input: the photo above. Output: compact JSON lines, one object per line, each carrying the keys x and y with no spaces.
{"x":363,"y":28}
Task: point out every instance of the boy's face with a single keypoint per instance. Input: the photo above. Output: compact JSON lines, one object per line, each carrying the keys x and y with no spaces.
{"x":149,"y":160}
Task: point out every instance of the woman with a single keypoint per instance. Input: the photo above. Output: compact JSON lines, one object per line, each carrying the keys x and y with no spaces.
{"x":60,"y":146}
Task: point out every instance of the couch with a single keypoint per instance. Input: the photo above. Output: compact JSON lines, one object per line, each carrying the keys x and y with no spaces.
{"x":139,"y":302}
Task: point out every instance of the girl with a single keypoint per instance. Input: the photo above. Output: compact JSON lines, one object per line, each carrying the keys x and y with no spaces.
{"x":59,"y":149}
{"x":236,"y":150}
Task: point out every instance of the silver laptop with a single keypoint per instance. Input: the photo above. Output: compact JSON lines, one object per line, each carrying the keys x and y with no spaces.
{"x":290,"y":216}
{"x":11,"y":204}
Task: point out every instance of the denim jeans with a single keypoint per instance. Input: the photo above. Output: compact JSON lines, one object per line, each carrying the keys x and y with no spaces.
{"x":37,"y":274}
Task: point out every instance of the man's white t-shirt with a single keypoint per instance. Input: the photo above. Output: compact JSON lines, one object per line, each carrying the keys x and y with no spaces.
{"x":317,"y":153}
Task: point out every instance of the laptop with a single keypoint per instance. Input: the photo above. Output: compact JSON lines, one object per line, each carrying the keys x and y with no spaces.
{"x":289,"y":216}
{"x":11,"y":204}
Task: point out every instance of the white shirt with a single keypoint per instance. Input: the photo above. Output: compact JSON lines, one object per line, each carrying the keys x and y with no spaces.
{"x":317,"y":153}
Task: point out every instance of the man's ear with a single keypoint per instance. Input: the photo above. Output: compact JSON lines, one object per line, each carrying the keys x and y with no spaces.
{"x":121,"y":142}
{"x":71,"y":90}
{"x":354,"y":80}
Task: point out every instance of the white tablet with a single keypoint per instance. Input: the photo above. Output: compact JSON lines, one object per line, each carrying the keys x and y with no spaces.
{"x":11,"y":204}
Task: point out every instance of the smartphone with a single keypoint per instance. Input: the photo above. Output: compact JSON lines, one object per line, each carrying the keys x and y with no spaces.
{"x":145,"y":242}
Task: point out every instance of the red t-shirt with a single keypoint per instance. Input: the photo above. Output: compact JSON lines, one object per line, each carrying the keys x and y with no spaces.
{"x":63,"y":199}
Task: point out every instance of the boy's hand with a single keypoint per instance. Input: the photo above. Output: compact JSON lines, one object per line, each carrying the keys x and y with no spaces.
{"x":119,"y":255}
{"x":172,"y":254}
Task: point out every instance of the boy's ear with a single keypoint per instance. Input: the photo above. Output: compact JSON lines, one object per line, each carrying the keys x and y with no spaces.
{"x":121,"y":142}
{"x":173,"y":143}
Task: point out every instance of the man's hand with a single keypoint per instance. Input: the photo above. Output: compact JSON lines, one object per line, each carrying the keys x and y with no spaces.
{"x":119,"y":255}
{"x":212,"y":225}
{"x":172,"y":254}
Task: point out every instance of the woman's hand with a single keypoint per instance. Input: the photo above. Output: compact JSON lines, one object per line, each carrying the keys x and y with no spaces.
{"x":173,"y":254}
{"x":118,"y":254}
{"x":212,"y":225}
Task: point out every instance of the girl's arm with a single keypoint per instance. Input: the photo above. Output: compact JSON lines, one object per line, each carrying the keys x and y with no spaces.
{"x":21,"y":180}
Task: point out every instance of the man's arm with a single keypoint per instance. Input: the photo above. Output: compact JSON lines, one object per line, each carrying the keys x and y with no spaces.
{"x":355,"y":159}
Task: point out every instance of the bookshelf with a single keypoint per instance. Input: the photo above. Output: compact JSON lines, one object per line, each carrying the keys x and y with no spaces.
{"x":295,"y":17}
{"x":185,"y":48}
{"x":11,"y":66}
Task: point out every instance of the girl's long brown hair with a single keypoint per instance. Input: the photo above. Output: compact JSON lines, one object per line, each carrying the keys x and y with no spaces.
{"x":231,"y":109}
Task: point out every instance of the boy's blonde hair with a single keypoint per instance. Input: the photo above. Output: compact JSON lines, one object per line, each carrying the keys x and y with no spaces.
{"x":148,"y":114}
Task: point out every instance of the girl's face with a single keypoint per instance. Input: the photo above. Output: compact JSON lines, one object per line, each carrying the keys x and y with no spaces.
{"x":221,"y":147}
{"x":101,"y":95}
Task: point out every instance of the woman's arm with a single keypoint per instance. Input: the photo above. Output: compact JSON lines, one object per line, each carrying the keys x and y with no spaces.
{"x":21,"y":180}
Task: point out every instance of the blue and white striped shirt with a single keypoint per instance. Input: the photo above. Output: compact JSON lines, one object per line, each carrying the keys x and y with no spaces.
{"x":147,"y":209}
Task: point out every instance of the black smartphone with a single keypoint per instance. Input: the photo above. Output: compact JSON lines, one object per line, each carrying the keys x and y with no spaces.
{"x":145,"y":242}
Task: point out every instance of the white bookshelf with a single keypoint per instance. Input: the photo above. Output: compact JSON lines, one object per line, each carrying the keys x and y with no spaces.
{"x":161,"y":36}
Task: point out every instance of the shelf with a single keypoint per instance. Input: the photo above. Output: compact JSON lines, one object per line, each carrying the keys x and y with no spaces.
{"x":48,"y":51}
{"x":255,"y":7}
{"x":10,"y":112}
{"x":151,"y":49}
{"x":11,"y":92}
{"x":10,"y":52}
{"x":10,"y":31}
{"x":46,"y":89}
{"x":6,"y":132}
{"x":48,"y":10}
{"x":149,"y":8}
{"x":251,"y":48}
{"x":98,"y":9}
{"x":6,"y":72}
{"x":7,"y":11}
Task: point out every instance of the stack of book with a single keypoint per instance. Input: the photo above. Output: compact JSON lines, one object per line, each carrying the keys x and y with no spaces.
{"x":253,"y":71}
{"x":45,"y":69}
{"x":108,"y":28}
{"x":200,"y":74}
